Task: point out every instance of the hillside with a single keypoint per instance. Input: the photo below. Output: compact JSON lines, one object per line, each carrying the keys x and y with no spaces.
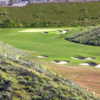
{"x":22,"y":79}
{"x":51,"y":15}
{"x":91,"y":37}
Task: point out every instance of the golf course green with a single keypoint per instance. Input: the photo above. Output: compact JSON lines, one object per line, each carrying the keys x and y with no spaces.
{"x":49,"y":42}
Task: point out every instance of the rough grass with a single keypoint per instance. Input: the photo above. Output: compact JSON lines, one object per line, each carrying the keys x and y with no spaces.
{"x":63,"y":14}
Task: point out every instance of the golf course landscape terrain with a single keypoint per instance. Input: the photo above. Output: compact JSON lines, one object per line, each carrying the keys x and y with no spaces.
{"x":51,"y":44}
{"x":48,"y":47}
{"x":50,"y":52}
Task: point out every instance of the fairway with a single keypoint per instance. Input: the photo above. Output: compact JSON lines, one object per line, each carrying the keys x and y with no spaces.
{"x":52,"y":44}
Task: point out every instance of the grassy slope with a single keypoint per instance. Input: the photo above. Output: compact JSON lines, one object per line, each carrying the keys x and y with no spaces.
{"x":21,"y":79}
{"x":87,"y":77}
{"x":64,"y":14}
{"x":50,"y":44}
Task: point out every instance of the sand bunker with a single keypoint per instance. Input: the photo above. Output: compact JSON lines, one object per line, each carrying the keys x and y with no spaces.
{"x":88,"y":58}
{"x":85,"y":64}
{"x":91,"y":64}
{"x":43,"y":56}
{"x":97,"y":66}
{"x":60,"y":62}
{"x":45,"y":32}
{"x":61,"y":32}
{"x":77,"y":58}
{"x":88,"y":64}
{"x":64,"y":31}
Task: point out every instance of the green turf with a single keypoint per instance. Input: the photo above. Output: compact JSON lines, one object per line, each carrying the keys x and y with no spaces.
{"x":51,"y":44}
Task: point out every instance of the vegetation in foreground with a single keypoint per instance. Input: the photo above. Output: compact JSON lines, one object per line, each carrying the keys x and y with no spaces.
{"x":22,"y":79}
{"x":91,"y":37}
{"x":51,"y":15}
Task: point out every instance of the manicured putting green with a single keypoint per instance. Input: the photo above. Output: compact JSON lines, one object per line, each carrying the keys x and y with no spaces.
{"x":52,"y":45}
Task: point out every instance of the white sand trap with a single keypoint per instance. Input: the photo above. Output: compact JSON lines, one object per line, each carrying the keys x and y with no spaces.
{"x":85,"y":64}
{"x":74,"y":58}
{"x":45,"y":32}
{"x":88,"y":64}
{"x":77,"y":57}
{"x":42,"y":56}
{"x":97,"y":66}
{"x":60,"y":62}
{"x":64,"y":32}
{"x":90,"y":58}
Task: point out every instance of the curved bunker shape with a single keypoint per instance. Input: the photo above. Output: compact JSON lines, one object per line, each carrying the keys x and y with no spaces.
{"x":45,"y":32}
{"x":43,"y":56}
{"x":83,"y":58}
{"x":88,"y":64}
{"x":60,"y":62}
{"x":97,"y":66}
{"x":90,"y":58}
{"x":61,"y":32}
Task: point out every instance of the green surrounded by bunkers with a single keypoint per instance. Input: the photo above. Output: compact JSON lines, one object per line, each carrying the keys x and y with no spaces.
{"x":50,"y":44}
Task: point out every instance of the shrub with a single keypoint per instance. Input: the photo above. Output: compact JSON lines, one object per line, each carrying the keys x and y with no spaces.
{"x":23,"y":82}
{"x":36,"y":98}
{"x":28,"y":78}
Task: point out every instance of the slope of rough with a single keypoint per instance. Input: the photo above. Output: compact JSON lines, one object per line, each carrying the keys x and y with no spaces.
{"x":22,"y":79}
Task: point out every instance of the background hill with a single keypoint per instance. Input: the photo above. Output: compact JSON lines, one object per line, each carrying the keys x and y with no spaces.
{"x":22,"y":79}
{"x":91,"y":37}
{"x":51,"y":15}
